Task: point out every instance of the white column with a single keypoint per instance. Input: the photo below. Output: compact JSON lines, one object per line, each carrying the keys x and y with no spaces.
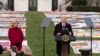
{"x":44,"y":5}
{"x":21,"y":5}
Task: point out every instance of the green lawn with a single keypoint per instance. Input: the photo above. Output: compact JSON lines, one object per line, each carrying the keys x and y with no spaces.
{"x":34,"y":35}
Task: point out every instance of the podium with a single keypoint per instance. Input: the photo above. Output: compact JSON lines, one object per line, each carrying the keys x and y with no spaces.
{"x":65,"y":40}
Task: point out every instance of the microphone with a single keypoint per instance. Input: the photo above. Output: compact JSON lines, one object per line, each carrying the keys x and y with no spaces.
{"x":65,"y":31}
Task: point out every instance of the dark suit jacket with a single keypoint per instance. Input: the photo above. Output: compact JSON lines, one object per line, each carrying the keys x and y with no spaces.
{"x":58,"y":28}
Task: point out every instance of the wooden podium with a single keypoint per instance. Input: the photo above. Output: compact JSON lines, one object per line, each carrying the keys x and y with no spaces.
{"x":65,"y":40}
{"x":65,"y":51}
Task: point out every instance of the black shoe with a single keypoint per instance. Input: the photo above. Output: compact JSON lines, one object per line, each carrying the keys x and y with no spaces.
{"x":59,"y":55}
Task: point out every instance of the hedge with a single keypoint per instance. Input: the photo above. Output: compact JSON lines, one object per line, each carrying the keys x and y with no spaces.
{"x":79,"y":2}
{"x":83,"y":8}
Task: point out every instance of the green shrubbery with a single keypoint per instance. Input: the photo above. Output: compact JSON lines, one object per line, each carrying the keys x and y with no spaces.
{"x":81,"y":5}
{"x":79,"y":2}
{"x":83,"y":8}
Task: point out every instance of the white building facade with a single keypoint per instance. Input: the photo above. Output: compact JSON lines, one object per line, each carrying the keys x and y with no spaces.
{"x":40,"y":5}
{"x":33,"y":5}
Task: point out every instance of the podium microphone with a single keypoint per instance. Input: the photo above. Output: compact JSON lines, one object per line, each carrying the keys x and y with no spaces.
{"x":65,"y":31}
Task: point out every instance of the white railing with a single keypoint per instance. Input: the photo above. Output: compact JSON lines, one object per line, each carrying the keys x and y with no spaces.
{"x":62,"y":4}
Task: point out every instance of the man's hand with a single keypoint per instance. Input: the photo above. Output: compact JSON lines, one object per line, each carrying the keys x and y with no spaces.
{"x":58,"y":33}
{"x":70,"y":33}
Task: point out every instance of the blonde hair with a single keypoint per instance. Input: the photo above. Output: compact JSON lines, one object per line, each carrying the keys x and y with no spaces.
{"x":12,"y":23}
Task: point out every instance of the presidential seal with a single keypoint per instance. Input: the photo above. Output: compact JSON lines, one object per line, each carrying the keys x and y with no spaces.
{"x":65,"y":38}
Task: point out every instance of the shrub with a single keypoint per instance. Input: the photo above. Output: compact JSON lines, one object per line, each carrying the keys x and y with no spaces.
{"x":79,"y":2}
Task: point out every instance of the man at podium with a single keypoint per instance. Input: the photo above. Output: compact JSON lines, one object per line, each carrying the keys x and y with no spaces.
{"x":59,"y":32}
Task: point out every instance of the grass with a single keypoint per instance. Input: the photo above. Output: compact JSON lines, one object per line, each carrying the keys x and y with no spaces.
{"x":34,"y":35}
